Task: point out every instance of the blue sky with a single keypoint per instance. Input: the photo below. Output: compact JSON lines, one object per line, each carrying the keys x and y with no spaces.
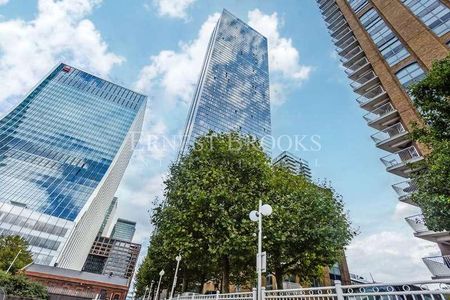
{"x":157,"y":46}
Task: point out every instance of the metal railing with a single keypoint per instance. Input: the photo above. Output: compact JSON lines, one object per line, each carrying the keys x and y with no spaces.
{"x":338,"y":29}
{"x":390,"y":132}
{"x":405,"y":188}
{"x":349,"y":55}
{"x":371,"y":94}
{"x":439,"y":266}
{"x":363,"y":79}
{"x":379,"y":112}
{"x":417,"y":223}
{"x":416,"y":290}
{"x":345,"y":43}
{"x":401,"y":157}
{"x":356,"y":66}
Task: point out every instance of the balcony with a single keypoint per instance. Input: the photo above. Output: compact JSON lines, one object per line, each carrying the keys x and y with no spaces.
{"x":334,"y":18}
{"x":392,"y":139}
{"x":404,"y":191}
{"x":330,"y":13}
{"x":417,"y":223}
{"x":338,"y":29}
{"x":364,"y":82}
{"x":343,"y":43}
{"x":398,"y":162}
{"x":382,"y":116}
{"x":357,"y":68}
{"x":325,"y":5}
{"x":348,"y":57}
{"x":373,"y":98}
{"x":439,"y":266}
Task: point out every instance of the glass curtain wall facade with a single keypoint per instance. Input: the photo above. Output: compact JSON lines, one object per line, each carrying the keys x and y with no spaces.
{"x":385,"y":46}
{"x":63,"y":151}
{"x":124,"y":230}
{"x":233,"y":90}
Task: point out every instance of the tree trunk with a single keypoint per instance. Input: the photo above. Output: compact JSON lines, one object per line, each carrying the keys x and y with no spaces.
{"x":279,"y":278}
{"x":185,"y":282}
{"x":225,"y":274}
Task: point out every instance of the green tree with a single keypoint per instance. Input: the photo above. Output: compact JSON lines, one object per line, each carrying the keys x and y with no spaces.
{"x":432,"y":99}
{"x":19,"y":285}
{"x":204,"y":216}
{"x":308,"y":228}
{"x":9,"y":247}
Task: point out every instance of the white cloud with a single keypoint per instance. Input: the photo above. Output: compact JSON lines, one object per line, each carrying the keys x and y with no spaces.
{"x":3,"y":2}
{"x":389,"y":256}
{"x":60,"y":32}
{"x":284,"y":59}
{"x":403,"y":210}
{"x":174,"y":8}
{"x":176,"y":72}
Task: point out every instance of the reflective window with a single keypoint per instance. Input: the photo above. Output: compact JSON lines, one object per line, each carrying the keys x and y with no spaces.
{"x":357,"y":5}
{"x":233,"y":92}
{"x":384,"y":38}
{"x":434,"y":13}
{"x":410,"y":74}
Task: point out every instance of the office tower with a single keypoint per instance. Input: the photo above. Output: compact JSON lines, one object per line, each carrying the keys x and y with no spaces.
{"x":384,"y":47}
{"x":233,"y":89}
{"x":124,"y":230}
{"x":63,"y":152}
{"x":108,"y":221}
{"x":114,"y":255}
{"x":293,"y":163}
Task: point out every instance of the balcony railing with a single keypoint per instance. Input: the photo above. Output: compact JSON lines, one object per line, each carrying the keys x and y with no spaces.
{"x":345,"y":42}
{"x":334,"y":19}
{"x":379,"y":112}
{"x":439,"y":266}
{"x":330,"y":12}
{"x":401,"y":157}
{"x":405,"y":188}
{"x":363,"y":79}
{"x":417,"y":223}
{"x":388,"y":133}
{"x":325,"y":5}
{"x":356,"y":66}
{"x":371,"y":94}
{"x":350,"y":54}
{"x":338,"y":29}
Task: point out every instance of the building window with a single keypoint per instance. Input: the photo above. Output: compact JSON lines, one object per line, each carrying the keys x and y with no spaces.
{"x":433,"y":13}
{"x":357,"y":5}
{"x":410,"y":74}
{"x":384,"y":38}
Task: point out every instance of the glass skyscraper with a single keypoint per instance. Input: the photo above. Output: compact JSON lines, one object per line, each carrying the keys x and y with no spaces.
{"x":63,"y":151}
{"x":123,"y":230}
{"x":233,"y":89}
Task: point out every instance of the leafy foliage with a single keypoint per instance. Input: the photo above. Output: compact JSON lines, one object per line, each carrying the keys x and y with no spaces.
{"x":9,"y":247}
{"x":209,"y":194}
{"x":19,"y":285}
{"x":432,"y":98}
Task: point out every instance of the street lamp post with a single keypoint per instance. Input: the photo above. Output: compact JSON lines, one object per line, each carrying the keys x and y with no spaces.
{"x":263,"y":210}
{"x":145,"y":292}
{"x":161,"y":273}
{"x":150,"y":290}
{"x":178,"y":258}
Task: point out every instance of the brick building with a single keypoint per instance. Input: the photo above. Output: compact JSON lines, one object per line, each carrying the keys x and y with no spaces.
{"x":384,"y":47}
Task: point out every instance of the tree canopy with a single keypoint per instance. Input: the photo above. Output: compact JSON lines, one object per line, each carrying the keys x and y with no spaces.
{"x":204,"y":217}
{"x":19,"y":285}
{"x":9,"y":247}
{"x":432,"y":98}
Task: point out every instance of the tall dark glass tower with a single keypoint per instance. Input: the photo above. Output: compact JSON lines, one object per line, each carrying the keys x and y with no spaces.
{"x":233,"y":89}
{"x":63,"y":151}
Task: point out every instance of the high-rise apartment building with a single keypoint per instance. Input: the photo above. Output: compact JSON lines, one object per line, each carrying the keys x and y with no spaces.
{"x":63,"y":152}
{"x":233,"y":89}
{"x":114,"y":254}
{"x":293,"y":163}
{"x":384,"y":47}
{"x":124,"y":230}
